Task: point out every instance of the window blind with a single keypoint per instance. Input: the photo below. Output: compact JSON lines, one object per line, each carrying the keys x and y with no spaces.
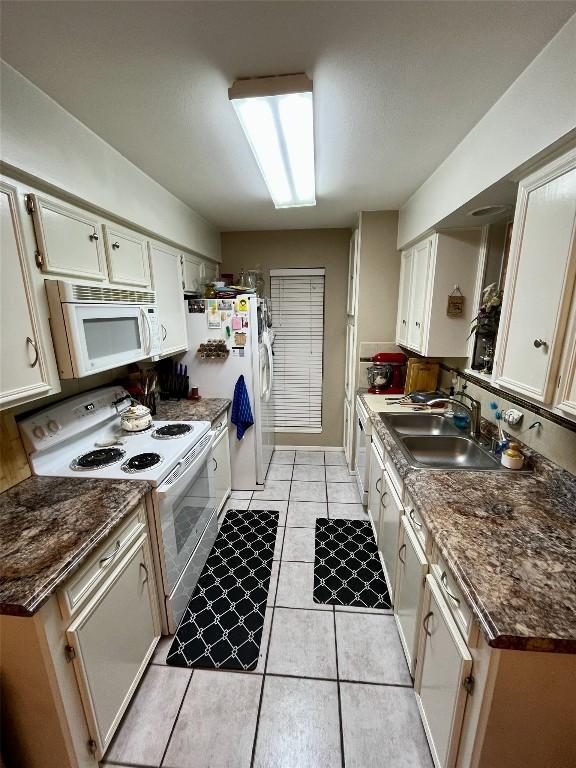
{"x":298,"y":319}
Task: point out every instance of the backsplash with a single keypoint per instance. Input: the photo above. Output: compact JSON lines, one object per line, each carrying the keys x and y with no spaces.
{"x":551,"y":439}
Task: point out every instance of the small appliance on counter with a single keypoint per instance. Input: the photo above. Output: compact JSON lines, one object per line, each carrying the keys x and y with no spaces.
{"x":387,"y":374}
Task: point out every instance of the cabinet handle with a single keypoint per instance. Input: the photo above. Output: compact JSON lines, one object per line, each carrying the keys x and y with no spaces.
{"x":104,"y":560}
{"x":164,"y":332}
{"x":417,"y":324}
{"x":215,"y":463}
{"x":412,"y":517}
{"x":403,"y":322}
{"x":444,"y":580}
{"x":116,"y":245}
{"x":540,"y":343}
{"x":425,"y":622}
{"x":93,"y":236}
{"x":30,"y":341}
{"x":385,"y":493}
{"x":145,"y":571}
{"x":378,"y":481}
{"x":403,"y":547}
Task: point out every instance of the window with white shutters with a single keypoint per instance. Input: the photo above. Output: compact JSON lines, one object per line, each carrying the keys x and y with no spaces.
{"x":298,"y":316}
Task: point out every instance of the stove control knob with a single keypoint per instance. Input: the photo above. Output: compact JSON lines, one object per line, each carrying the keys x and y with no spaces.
{"x":39,"y":432}
{"x":53,"y":427}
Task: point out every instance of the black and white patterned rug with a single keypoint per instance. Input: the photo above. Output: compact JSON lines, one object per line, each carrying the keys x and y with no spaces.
{"x":347,"y":567}
{"x":222,"y":625}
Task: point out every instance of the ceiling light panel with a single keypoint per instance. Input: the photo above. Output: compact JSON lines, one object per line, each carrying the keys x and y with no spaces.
{"x":277,"y":117}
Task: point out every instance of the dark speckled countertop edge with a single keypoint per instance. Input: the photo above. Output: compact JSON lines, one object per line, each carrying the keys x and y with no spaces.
{"x":494,"y":636}
{"x":29,"y":606}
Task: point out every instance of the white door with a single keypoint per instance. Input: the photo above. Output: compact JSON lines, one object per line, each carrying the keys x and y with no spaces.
{"x":352,"y":274}
{"x":404,"y":297}
{"x":167,"y":283}
{"x":421,"y":255}
{"x":113,"y":639}
{"x":266,"y":367}
{"x":390,"y":516}
{"x":127,"y":256}
{"x":68,"y":240}
{"x":539,"y":282}
{"x":222,"y":473}
{"x":411,"y":569}
{"x":193,"y":274}
{"x":444,"y":663}
{"x":375,"y":488}
{"x":23,"y":372}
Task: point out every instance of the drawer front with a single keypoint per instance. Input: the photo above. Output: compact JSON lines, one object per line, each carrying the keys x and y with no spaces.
{"x":83,"y":583}
{"x":453,"y":595}
{"x":418,"y":525}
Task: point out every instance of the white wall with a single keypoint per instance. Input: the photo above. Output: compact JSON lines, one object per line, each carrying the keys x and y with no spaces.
{"x":536,"y":111}
{"x":42,"y":139}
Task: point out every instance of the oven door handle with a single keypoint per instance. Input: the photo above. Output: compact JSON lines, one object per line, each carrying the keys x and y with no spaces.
{"x":165,"y":490}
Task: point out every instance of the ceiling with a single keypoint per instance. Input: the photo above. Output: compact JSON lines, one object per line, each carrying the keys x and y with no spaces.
{"x":396,"y":85}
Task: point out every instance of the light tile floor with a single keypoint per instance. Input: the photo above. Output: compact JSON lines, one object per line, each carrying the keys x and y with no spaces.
{"x":331,"y":688}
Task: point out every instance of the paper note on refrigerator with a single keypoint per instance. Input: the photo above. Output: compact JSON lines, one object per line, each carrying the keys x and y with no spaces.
{"x":213,"y":315}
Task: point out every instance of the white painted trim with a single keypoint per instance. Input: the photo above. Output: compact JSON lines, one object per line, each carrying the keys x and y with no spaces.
{"x":336,"y":449}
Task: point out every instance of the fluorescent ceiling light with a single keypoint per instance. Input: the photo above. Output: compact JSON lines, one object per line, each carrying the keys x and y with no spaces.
{"x":276,"y":114}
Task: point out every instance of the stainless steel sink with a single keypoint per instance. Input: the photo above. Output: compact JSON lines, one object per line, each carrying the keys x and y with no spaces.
{"x":421,"y":424}
{"x":448,"y":452}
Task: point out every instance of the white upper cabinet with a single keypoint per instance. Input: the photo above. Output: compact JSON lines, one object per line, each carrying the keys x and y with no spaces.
{"x":68,"y":240}
{"x":430,"y":271}
{"x":211,"y":271}
{"x":167,"y":282}
{"x":24,"y":374}
{"x":353,"y":274}
{"x":404,"y":298}
{"x":193,"y":272}
{"x":539,"y":283}
{"x":127,"y":257}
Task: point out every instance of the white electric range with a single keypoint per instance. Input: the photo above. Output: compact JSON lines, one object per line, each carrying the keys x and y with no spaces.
{"x":81,"y":437}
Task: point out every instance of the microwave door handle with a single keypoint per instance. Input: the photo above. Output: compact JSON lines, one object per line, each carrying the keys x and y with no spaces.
{"x":146,"y":326}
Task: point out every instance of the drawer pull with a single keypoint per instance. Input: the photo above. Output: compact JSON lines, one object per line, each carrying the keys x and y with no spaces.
{"x":378,"y":481}
{"x":444,"y":580}
{"x":403,"y":547}
{"x":215,"y":463}
{"x":385,"y":493}
{"x":146,"y":573}
{"x":106,"y":559}
{"x":412,"y":517}
{"x":425,"y":623}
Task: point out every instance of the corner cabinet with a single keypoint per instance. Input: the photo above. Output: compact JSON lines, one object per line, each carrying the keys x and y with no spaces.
{"x":27,"y":376}
{"x":430,"y":271}
{"x":539,"y":294}
{"x":167,"y":283}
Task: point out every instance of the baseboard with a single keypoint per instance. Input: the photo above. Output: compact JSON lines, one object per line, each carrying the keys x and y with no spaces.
{"x":308,"y":448}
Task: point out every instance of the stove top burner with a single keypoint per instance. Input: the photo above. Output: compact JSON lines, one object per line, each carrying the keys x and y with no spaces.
{"x":170,"y":431}
{"x":141,"y":462}
{"x":102,"y":457}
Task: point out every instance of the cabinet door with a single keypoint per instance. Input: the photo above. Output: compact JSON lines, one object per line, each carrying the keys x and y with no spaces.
{"x":375,"y":488}
{"x":167,"y":282}
{"x":222,"y":473}
{"x":113,"y":639}
{"x":421,"y":256}
{"x":348,"y":430}
{"x":443,"y":665}
{"x":210,"y":272}
{"x":352,"y":274}
{"x":349,"y":384}
{"x":539,"y":282}
{"x":411,"y":569}
{"x":390,"y":516}
{"x":68,"y":240}
{"x":127,"y":256}
{"x":23,"y":374}
{"x":404,"y":297}
{"x":566,"y":398}
{"x":193,"y":273}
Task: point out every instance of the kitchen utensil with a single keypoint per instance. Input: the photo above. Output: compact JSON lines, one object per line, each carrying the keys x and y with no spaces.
{"x":135,"y":418}
{"x":386,"y":374}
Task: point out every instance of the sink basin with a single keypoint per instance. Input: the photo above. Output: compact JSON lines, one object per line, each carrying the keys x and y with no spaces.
{"x":448,"y":452}
{"x":421,"y":424}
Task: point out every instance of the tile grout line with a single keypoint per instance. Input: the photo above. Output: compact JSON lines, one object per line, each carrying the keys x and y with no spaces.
{"x":176,"y":718}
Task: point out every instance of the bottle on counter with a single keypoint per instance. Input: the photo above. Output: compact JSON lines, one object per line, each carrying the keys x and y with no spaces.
{"x":511,"y":457}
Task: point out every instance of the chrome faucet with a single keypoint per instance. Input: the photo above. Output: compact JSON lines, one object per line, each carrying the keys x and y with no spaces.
{"x":474,"y":410}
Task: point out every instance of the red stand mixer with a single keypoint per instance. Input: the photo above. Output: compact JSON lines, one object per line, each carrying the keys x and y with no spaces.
{"x":387,"y":374}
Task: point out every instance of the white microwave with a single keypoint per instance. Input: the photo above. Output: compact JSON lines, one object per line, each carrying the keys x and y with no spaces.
{"x":96,"y":328}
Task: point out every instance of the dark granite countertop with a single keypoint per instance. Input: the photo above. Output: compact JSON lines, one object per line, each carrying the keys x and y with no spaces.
{"x":48,"y":526}
{"x":516,"y":568}
{"x":206,"y":409}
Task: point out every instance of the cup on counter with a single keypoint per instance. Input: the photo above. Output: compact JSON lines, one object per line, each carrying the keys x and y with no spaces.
{"x":194,"y":394}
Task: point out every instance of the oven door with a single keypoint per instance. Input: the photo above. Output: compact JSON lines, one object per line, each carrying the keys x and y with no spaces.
{"x":102,"y":337}
{"x":186,"y":504}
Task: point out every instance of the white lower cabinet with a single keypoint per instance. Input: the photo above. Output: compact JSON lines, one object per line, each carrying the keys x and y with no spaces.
{"x":112,"y":640}
{"x":411,"y":571}
{"x":389,"y":526}
{"x":375,"y":488}
{"x":222,"y":472}
{"x":443,"y":666}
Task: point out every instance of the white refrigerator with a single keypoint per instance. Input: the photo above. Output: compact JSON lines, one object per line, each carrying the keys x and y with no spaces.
{"x":245,"y":348}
